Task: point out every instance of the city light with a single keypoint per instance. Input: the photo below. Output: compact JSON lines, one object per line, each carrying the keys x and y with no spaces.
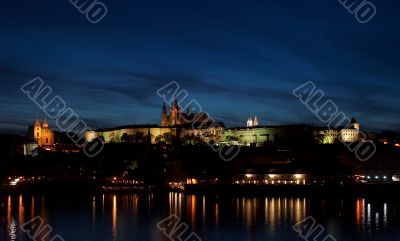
{"x":298,"y":176}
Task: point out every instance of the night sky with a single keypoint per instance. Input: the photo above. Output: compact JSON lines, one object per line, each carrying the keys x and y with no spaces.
{"x":233,"y":57}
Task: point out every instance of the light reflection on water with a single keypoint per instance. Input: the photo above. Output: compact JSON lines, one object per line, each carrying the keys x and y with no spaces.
{"x":371,"y":217}
{"x":134,"y":217}
{"x":114,"y":218}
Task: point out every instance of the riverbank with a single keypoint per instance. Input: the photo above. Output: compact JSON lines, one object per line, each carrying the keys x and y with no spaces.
{"x":212,"y":189}
{"x":298,"y":190}
{"x":75,"y":187}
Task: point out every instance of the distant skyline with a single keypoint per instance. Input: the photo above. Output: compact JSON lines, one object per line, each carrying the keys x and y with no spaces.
{"x":234,"y":57}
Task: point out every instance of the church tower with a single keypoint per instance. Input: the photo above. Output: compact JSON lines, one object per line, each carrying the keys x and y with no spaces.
{"x":249,"y":122}
{"x":45,"y":123}
{"x":255,"y":123}
{"x":175,"y":112}
{"x":37,"y":130}
{"x":164,"y":117}
{"x":46,"y":135}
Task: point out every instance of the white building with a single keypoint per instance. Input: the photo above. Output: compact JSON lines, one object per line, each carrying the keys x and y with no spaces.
{"x":330,"y":135}
{"x":29,"y":148}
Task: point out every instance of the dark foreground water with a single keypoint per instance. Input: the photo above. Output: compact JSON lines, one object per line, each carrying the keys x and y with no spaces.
{"x":135,"y":217}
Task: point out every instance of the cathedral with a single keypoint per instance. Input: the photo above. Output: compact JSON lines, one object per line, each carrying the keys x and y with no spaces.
{"x":178,"y":118}
{"x":251,"y":123}
{"x":43,"y":135}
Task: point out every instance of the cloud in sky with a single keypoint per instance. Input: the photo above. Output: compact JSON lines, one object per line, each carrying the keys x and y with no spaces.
{"x":235,"y":58}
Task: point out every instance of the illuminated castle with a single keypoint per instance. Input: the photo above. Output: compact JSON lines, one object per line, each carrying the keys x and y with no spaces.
{"x":184,"y":125}
{"x":179,"y":118}
{"x":199,"y":126}
{"x":43,"y":135}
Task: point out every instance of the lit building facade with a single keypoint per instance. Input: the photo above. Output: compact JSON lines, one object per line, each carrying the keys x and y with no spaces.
{"x":134,"y":133}
{"x":30,"y":147}
{"x":250,"y":136}
{"x":155,"y":134}
{"x":43,"y":135}
{"x":38,"y":136}
{"x":331,"y":135}
{"x":264,"y":135}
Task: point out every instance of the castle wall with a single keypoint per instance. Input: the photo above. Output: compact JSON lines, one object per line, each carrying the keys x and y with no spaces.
{"x":133,"y":134}
{"x":250,"y":136}
{"x":140,"y":133}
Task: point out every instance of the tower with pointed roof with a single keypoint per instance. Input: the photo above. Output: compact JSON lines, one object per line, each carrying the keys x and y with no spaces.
{"x":249,"y":121}
{"x":164,"y":117}
{"x":255,"y":122}
{"x":45,"y":123}
{"x":37,"y":130}
{"x":175,"y":112}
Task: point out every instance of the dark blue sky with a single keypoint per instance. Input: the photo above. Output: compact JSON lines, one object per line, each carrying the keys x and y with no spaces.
{"x":233,"y":57}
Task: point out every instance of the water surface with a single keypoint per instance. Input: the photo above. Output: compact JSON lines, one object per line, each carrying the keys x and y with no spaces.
{"x":135,"y":217}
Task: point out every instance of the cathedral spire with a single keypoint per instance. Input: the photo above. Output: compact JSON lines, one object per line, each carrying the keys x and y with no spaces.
{"x":249,"y":121}
{"x":37,"y":122}
{"x":37,"y":119}
{"x":175,"y":101}
{"x":45,"y":123}
{"x":255,"y":122}
{"x":164,"y":116}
